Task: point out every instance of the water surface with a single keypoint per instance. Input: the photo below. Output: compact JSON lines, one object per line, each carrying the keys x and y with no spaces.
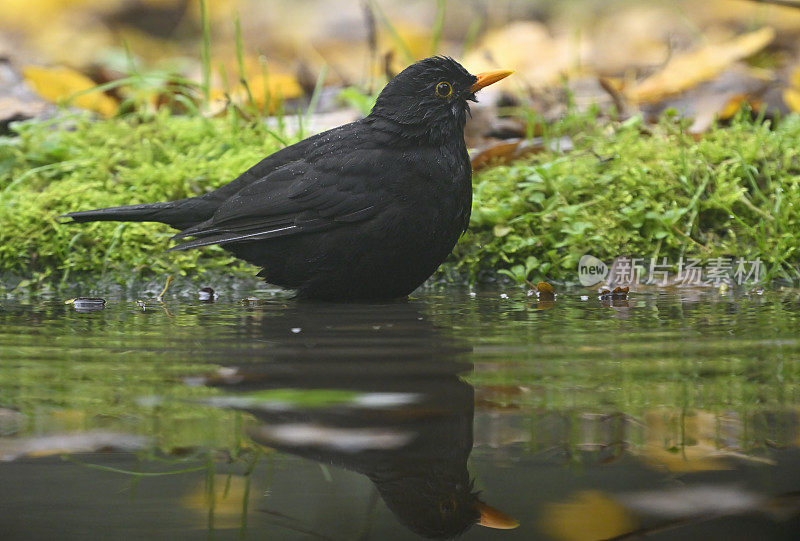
{"x":666,"y":415}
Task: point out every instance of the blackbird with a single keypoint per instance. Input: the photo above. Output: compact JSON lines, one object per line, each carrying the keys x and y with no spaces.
{"x":365,"y":211}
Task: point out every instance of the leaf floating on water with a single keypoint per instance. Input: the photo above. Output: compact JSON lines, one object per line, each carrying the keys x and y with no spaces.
{"x":545,"y":295}
{"x":587,"y":514}
{"x":544,"y":287}
{"x":616,"y":292}
{"x":612,"y":297}
{"x":686,"y":70}
{"x":545,"y":292}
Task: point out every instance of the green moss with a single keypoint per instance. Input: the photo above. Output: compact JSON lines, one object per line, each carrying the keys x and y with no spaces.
{"x":625,"y":189}
{"x":48,"y":169}
{"x":641,"y":191}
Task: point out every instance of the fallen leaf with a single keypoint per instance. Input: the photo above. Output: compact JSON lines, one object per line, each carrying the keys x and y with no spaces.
{"x":684,"y":71}
{"x":515,"y":149}
{"x":792,"y":98}
{"x":588,"y":515}
{"x":59,"y":84}
{"x":791,"y":95}
{"x":268,"y":90}
{"x":503,"y":151}
{"x":222,"y":493}
{"x":546,"y":296}
{"x":735,"y":103}
{"x":684,"y":444}
{"x":527,"y":48}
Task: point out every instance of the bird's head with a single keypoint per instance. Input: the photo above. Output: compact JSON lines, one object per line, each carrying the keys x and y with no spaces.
{"x":429,"y":98}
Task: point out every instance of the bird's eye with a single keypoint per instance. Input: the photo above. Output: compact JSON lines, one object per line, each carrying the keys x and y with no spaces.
{"x":446,"y":507}
{"x":443,"y":89}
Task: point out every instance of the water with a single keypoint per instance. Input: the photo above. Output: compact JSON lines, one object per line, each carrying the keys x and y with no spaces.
{"x":667,"y":415}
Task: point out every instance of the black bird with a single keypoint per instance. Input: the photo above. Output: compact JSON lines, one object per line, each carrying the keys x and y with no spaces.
{"x":365,"y":211}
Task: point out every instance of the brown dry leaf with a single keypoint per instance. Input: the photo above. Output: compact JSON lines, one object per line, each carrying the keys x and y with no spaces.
{"x":684,"y":71}
{"x":546,"y":296}
{"x":515,"y":149}
{"x":58,"y":84}
{"x":544,"y":287}
{"x":501,"y":152}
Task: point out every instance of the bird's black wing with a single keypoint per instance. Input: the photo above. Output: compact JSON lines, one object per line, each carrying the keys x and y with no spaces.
{"x":299,"y":197}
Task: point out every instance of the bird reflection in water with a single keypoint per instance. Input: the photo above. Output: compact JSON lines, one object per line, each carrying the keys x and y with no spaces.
{"x":408,"y":423}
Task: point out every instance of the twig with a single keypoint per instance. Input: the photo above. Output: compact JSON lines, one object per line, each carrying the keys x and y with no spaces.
{"x":160,"y":297}
{"x":616,"y":95}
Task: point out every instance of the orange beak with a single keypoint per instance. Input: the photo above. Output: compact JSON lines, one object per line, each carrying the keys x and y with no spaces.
{"x":494,"y":518}
{"x":489,"y":77}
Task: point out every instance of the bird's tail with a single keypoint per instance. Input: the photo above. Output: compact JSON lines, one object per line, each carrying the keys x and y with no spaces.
{"x":179,"y":214}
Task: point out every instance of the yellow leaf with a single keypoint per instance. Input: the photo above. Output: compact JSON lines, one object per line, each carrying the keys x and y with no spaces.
{"x":224,"y":497}
{"x":683,"y":442}
{"x":735,"y":103}
{"x":267,"y":92}
{"x":31,"y":14}
{"x":589,"y":515}
{"x":686,"y":70}
{"x":60,"y":83}
{"x":791,"y":95}
{"x":792,"y":98}
{"x":795,"y":78}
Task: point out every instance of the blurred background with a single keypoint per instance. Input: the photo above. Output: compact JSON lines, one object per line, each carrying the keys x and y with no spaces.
{"x":702,"y":58}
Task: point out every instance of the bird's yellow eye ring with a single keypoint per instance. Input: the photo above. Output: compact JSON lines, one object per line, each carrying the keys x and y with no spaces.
{"x":444,"y":89}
